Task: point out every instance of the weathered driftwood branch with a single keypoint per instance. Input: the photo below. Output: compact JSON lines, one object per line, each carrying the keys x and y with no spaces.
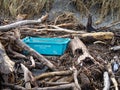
{"x":112,"y":77}
{"x":32,"y":61}
{"x":59,"y":87}
{"x":76,"y":46}
{"x":6,"y":65}
{"x":27,"y":77}
{"x":20,"y":23}
{"x":106,"y":81}
{"x":33,"y":53}
{"x":55,"y":29}
{"x":52,"y":74}
{"x":75,"y":74}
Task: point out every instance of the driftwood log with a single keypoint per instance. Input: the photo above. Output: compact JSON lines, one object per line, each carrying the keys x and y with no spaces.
{"x":93,"y":36}
{"x":6,"y":65}
{"x":98,"y":36}
{"x":78,"y":47}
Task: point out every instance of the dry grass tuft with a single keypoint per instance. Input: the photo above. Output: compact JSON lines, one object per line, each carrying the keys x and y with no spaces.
{"x":103,"y":8}
{"x":30,"y":7}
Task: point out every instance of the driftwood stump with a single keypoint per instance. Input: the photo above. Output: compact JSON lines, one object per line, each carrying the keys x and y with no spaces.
{"x":78,"y":48}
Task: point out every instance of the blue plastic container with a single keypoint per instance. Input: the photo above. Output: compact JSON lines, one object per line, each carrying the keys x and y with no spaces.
{"x":47,"y":46}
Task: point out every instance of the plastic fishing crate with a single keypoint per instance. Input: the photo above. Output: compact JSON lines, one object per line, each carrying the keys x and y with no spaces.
{"x":47,"y":46}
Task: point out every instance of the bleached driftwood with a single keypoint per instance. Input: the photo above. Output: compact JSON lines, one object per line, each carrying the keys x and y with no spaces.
{"x":106,"y":81}
{"x":75,"y":74}
{"x":28,"y":77}
{"x":32,"y":61}
{"x":21,"y":23}
{"x":76,"y":45}
{"x":6,"y":65}
{"x":112,"y":77}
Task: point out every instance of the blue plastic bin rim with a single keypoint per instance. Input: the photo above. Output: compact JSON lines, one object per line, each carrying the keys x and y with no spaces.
{"x":46,"y":40}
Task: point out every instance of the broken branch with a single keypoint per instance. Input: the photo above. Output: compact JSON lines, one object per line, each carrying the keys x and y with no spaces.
{"x":78,"y":46}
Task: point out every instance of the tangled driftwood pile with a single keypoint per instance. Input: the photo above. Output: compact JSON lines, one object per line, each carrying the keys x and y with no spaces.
{"x":80,"y":68}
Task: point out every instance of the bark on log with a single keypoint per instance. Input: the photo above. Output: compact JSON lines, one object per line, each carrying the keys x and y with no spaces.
{"x":6,"y":65}
{"x":52,"y":74}
{"x":20,"y":23}
{"x":33,"y":53}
